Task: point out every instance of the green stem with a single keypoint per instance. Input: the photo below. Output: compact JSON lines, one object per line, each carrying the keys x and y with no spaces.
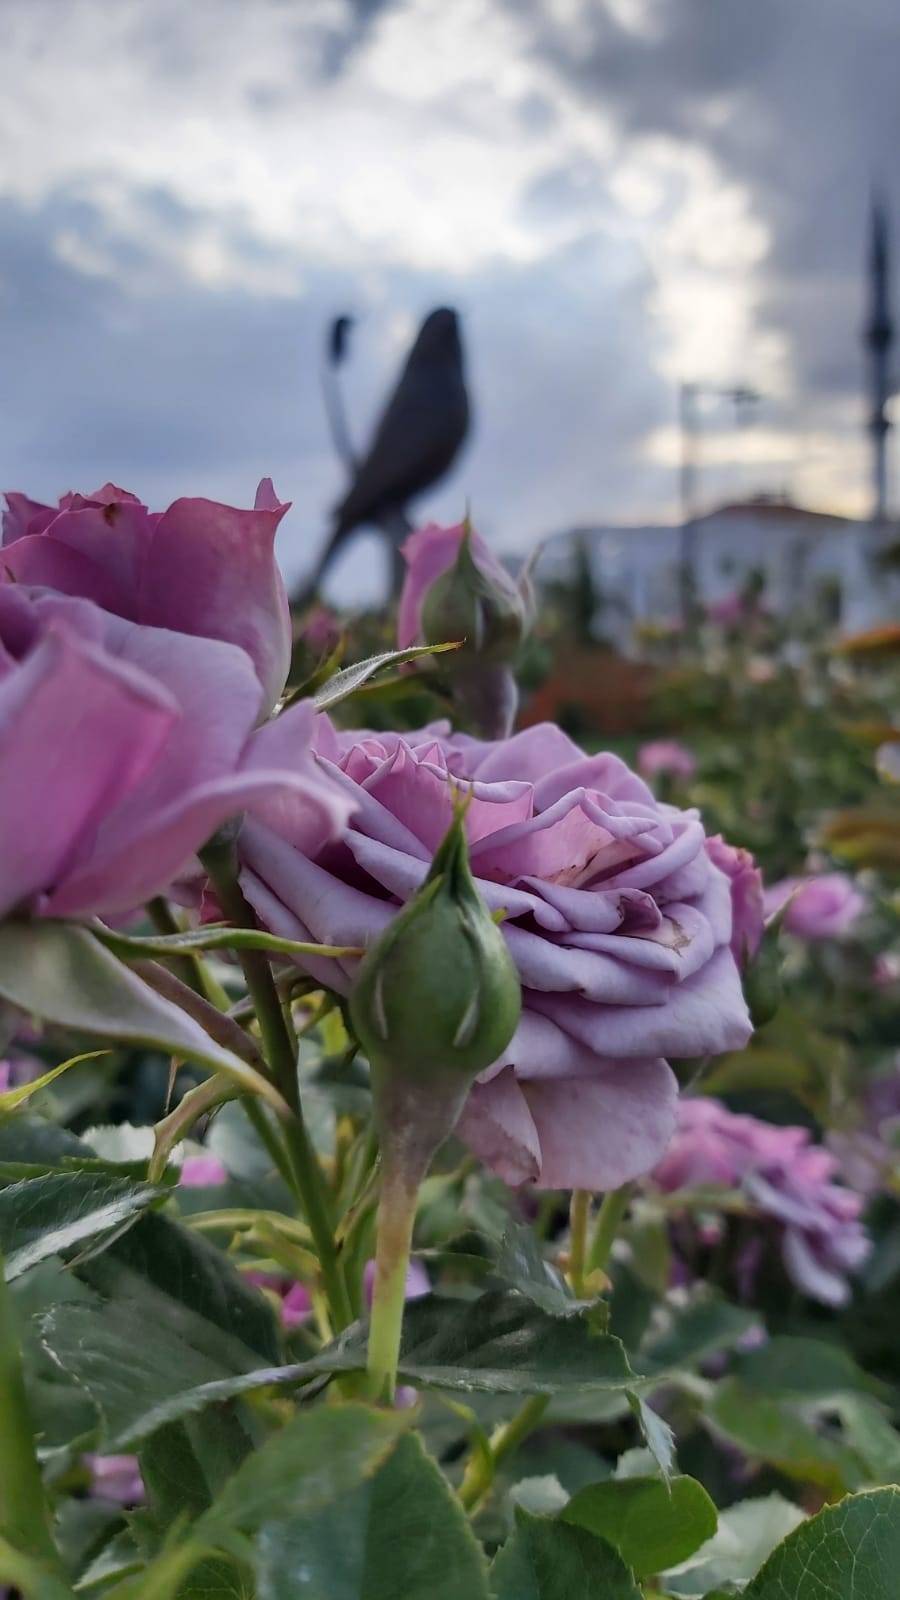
{"x":396,"y":1219}
{"x":413,"y":1117}
{"x":190,"y":967}
{"x":282,"y":1060}
{"x":268,"y":1136}
{"x":23,"y":1510}
{"x":479,"y":1474}
{"x":615,"y":1204}
{"x":579,"y":1216}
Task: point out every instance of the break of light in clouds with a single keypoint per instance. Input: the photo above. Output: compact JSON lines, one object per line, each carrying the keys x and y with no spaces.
{"x":615,"y":194}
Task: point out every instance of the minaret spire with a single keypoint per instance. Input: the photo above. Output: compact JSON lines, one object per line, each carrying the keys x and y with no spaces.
{"x":879,"y":337}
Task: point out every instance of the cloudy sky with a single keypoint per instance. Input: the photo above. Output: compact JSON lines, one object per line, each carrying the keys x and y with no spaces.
{"x":616,"y":194}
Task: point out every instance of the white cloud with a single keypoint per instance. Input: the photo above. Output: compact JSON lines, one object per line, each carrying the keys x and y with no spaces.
{"x":591,"y":182}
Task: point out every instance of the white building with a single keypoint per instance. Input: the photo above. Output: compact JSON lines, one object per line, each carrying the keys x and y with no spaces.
{"x":799,"y":553}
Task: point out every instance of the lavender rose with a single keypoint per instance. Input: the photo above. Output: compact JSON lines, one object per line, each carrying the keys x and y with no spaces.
{"x":199,"y":568}
{"x":824,"y":907}
{"x":618,"y":921}
{"x":122,"y":748}
{"x":789,"y":1182}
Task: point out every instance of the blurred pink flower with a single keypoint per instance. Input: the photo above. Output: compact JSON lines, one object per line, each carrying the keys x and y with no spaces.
{"x":869,"y":1151}
{"x":296,"y":1301}
{"x":886,"y":969}
{"x":320,"y":631}
{"x":823,"y":907}
{"x":788,"y":1180}
{"x":116,"y":1478}
{"x":618,"y":921}
{"x":666,"y":757}
{"x":202,"y":1172}
{"x":199,"y":568}
{"x":123,"y":748}
{"x":729,"y":610}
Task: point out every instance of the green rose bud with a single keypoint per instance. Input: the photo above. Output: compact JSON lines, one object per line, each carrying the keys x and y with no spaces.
{"x":763,"y":984}
{"x":438,"y":994}
{"x":477,"y":603}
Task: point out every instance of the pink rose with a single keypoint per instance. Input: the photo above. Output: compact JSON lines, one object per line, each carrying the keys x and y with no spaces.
{"x":618,"y":921}
{"x":199,"y":568}
{"x":747,"y":901}
{"x":123,"y":748}
{"x":825,"y":907}
{"x":788,"y":1180}
{"x":666,"y":756}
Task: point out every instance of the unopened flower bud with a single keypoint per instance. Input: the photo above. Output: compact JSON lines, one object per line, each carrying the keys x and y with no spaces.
{"x":437,"y":995}
{"x":478,"y":603}
{"x":763,"y":984}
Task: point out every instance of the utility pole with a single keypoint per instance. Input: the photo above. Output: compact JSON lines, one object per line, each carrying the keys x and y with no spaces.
{"x":687,"y":483}
{"x":879,"y":337}
{"x":742,"y":398}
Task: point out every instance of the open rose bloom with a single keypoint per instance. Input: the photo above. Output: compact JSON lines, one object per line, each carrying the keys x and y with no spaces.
{"x":124,"y":747}
{"x":199,"y":568}
{"x":618,"y":920}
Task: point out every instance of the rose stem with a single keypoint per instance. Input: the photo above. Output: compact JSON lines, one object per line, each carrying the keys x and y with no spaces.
{"x":280,"y":1054}
{"x":396,"y":1219}
{"x":479,"y":1473}
{"x":609,"y":1218}
{"x":186,"y":962}
{"x":579,"y":1216}
{"x":23,"y":1511}
{"x":412,"y":1119}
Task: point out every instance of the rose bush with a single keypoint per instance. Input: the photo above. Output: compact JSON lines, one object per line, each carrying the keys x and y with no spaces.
{"x":199,"y":568}
{"x":616,"y":915}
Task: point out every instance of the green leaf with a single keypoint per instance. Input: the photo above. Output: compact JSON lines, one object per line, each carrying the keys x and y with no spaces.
{"x":656,"y":1433}
{"x":802,"y":1369}
{"x":43,"y":1216}
{"x":694,"y":1331}
{"x":652,"y":1525}
{"x":30,"y":1139}
{"x":218,"y":1578}
{"x":352,"y":678}
{"x":850,"y":1551}
{"x":500,"y":1344}
{"x":185,"y":1464}
{"x":30,"y":1577}
{"x":548,"y":1560}
{"x":402,"y":1532}
{"x":770,"y":1430}
{"x":319,"y":1456}
{"x":60,"y":973}
{"x":133,"y":947}
{"x":207,"y":1325}
{"x":747,"y":1534}
{"x":521,"y":1263}
{"x":11,"y":1099}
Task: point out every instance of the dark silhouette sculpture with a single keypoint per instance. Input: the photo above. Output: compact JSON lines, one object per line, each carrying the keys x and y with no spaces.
{"x":417,"y":439}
